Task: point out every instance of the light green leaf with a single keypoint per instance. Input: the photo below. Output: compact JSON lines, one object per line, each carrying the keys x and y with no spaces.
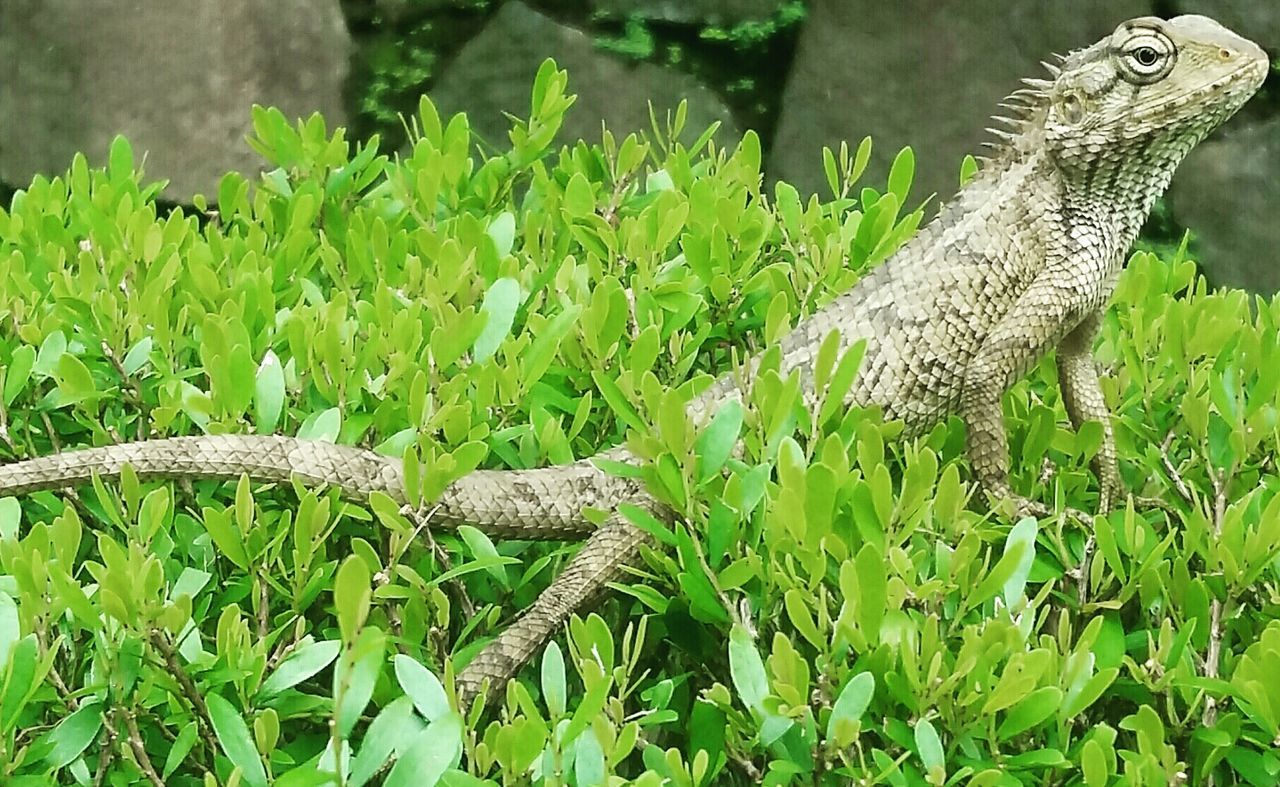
{"x":18,"y":372}
{"x":929,"y":745}
{"x":716,"y":442}
{"x":850,"y":704}
{"x":392,"y":730}
{"x":423,"y":688}
{"x":1030,"y":711}
{"x":553,"y":681}
{"x":268,"y":394}
{"x":1022,"y":536}
{"x":354,"y":678}
{"x":352,"y":595}
{"x":503,"y":232}
{"x":746,"y":668}
{"x":499,"y":312}
{"x":9,"y":631}
{"x":432,"y":752}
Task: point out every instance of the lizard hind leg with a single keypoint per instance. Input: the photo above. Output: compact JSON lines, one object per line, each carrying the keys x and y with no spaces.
{"x":601,"y":560}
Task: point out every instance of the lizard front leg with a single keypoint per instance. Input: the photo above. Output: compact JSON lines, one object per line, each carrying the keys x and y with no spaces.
{"x":1082,"y":396}
{"x":1043,"y":314}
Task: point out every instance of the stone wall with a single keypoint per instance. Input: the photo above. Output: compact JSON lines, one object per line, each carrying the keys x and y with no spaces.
{"x":178,"y":81}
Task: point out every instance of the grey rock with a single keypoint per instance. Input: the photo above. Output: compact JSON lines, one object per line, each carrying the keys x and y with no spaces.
{"x":177,"y":79}
{"x":1226,"y":193}
{"x":494,"y":74}
{"x":922,"y":73}
{"x":723,"y":12}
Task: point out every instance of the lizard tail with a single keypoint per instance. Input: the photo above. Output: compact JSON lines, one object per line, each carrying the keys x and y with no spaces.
{"x":546,"y":503}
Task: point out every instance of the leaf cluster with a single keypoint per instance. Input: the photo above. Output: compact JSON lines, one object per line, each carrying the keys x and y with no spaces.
{"x":831,"y":606}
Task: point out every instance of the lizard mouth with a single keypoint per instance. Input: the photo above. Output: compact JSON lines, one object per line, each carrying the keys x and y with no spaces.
{"x":1250,"y":74}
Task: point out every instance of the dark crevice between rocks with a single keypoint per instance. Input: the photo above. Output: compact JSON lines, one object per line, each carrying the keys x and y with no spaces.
{"x":748,"y":73}
{"x":402,"y":46}
{"x":399,"y":48}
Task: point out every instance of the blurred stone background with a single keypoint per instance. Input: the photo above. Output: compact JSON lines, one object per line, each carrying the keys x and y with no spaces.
{"x":178,"y":79}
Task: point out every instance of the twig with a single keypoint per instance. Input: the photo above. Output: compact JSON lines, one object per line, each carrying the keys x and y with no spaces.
{"x":106,"y":753}
{"x":1178,"y":482}
{"x":421,"y":527}
{"x":1212,"y":659}
{"x":263,"y":606}
{"x":162,"y":644}
{"x":140,"y":751}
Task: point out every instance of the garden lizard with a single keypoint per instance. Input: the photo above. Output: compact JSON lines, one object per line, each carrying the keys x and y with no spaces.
{"x":1021,"y":262}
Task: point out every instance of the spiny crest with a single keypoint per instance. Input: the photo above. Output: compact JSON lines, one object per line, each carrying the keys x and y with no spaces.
{"x":1022,"y":105}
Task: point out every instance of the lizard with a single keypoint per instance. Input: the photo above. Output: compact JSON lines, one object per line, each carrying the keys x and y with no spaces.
{"x":1021,"y":262}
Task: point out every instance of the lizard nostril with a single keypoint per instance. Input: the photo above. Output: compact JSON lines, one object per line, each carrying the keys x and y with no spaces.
{"x":1225,"y":54}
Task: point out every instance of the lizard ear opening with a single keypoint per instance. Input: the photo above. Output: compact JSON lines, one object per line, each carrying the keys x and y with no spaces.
{"x":1071,"y":107}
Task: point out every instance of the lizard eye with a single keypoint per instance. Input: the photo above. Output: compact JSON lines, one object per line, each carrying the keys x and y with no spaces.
{"x":1146,"y":56}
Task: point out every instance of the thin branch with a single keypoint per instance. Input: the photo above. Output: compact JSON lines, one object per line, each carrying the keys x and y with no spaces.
{"x":1213,"y":658}
{"x":162,"y":644}
{"x":1179,"y":482}
{"x":140,"y":751}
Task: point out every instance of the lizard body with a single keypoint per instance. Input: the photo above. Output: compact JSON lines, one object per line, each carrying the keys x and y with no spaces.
{"x":1021,"y":262}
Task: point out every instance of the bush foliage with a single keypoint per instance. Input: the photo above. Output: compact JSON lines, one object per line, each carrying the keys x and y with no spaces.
{"x":833,"y":607}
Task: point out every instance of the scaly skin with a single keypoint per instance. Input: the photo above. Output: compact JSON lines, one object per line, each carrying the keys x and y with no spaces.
{"x":1021,"y":262}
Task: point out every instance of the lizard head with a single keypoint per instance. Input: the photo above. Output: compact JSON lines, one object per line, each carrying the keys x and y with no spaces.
{"x":1148,"y":92}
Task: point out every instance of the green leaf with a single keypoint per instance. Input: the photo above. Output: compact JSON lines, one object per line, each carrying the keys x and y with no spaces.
{"x":120,"y":160}
{"x":432,"y":752}
{"x":553,"y":679}
{"x":423,"y":687}
{"x":10,"y":518}
{"x":588,"y":761}
{"x":74,"y":379}
{"x":746,"y":668}
{"x":968,"y":168}
{"x":714,"y":446}
{"x":1010,"y":563}
{"x":21,"y":681}
{"x":18,"y":372}
{"x":74,"y":733}
{"x":1027,"y":713}
{"x":180,"y":748}
{"x":300,"y":665}
{"x":483,"y":548}
{"x":850,"y":704}
{"x":542,"y":352}
{"x":9,"y":630}
{"x":323,"y":426}
{"x":579,"y":199}
{"x":226,"y":537}
{"x":391,"y":730}
{"x":901,"y":173}
{"x":929,"y":745}
{"x":233,"y":736}
{"x":354,"y":678}
{"x":502,"y":230}
{"x":499,"y":311}
{"x":617,"y":401}
{"x":873,"y":590}
{"x":351,"y":596}
{"x":51,"y":351}
{"x":1021,"y":536}
{"x":138,"y":356}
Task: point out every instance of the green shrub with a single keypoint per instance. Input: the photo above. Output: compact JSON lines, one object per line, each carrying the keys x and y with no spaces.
{"x":832,"y":609}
